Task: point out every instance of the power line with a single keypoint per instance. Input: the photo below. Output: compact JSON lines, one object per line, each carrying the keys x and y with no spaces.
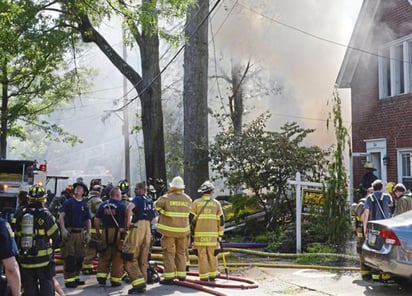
{"x":160,"y":59}
{"x":171,"y":60}
{"x":347,"y":46}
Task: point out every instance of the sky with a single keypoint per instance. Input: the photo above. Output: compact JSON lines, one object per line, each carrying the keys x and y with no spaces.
{"x":293,"y":77}
{"x":280,"y":38}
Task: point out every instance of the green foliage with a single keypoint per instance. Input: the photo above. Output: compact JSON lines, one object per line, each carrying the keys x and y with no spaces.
{"x":174,"y":153}
{"x":335,"y":188}
{"x":34,"y":77}
{"x":243,"y":205}
{"x":149,"y":16}
{"x":262,"y":161}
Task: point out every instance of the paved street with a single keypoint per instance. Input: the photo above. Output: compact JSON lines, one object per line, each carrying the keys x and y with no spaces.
{"x":272,"y":281}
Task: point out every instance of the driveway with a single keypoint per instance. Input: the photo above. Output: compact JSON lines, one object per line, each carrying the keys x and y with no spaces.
{"x":272,"y":281}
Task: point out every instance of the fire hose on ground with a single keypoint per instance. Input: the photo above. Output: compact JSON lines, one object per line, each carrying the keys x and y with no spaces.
{"x":244,"y":283}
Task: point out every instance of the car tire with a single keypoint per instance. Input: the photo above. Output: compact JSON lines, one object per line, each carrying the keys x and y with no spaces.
{"x":367,"y":277}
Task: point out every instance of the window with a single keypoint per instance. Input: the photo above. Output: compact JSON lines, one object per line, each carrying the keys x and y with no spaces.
{"x":395,"y":68}
{"x":405,"y":173}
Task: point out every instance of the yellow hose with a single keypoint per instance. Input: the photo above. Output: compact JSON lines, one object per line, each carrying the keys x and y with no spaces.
{"x":277,"y":265}
{"x":290,"y":256}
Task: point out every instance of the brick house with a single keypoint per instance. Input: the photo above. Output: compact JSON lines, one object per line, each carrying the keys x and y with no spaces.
{"x":377,"y":67}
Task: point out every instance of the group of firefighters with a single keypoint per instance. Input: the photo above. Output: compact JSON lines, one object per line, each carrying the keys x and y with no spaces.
{"x":376,"y":203}
{"x":104,"y":223}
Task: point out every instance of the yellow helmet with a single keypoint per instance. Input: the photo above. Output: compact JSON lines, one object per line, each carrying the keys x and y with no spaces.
{"x":37,"y":194}
{"x":390,"y":186}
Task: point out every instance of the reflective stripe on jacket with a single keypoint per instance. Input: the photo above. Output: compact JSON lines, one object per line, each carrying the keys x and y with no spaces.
{"x":209,"y":224}
{"x":174,"y":209}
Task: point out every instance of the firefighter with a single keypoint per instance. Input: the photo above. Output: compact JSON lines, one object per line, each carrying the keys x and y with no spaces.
{"x":57,"y":202}
{"x":152,"y":192}
{"x":376,"y":205}
{"x":208,"y":230}
{"x":94,"y":201}
{"x":174,"y":209}
{"x":123,"y":185}
{"x":140,"y":215}
{"x":403,"y":199}
{"x":36,"y":234}
{"x":365,"y":271}
{"x":8,"y":253}
{"x":111,"y":215}
{"x":75,"y":224}
{"x":367,"y":179}
{"x":161,"y":188}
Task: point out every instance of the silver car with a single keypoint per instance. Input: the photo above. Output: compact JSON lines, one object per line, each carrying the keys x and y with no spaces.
{"x":388,"y":247}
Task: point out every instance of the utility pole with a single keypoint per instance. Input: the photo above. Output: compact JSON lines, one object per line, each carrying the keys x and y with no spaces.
{"x":126,"y":121}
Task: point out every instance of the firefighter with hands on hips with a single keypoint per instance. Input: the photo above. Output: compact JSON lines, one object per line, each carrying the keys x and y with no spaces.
{"x":8,"y":253}
{"x":123,"y":185}
{"x":36,"y":234}
{"x":140,"y":214}
{"x":94,"y":201}
{"x":174,"y":209}
{"x":208,"y":231}
{"x":111,"y":217}
{"x":75,"y":224}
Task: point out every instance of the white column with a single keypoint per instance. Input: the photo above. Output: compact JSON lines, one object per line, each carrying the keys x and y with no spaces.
{"x":298,"y":214}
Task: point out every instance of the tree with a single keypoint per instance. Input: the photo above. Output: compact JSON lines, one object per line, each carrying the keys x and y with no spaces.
{"x":34,"y":78}
{"x":141,"y":22}
{"x":335,"y":188}
{"x":262,"y":161}
{"x":195,"y":131}
{"x":236,"y":104}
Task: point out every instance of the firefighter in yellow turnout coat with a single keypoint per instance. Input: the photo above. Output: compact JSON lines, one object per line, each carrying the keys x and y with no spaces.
{"x":174,"y":209}
{"x":208,"y":230}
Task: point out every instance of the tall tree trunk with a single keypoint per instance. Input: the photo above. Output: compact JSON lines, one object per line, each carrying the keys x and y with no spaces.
{"x":236,"y":100}
{"x":150,"y":96}
{"x":4,"y":103}
{"x":236,"y":105}
{"x":196,"y":164}
{"x":152,"y":113}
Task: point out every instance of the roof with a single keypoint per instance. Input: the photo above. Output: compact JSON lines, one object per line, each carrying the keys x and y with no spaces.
{"x":357,"y":42}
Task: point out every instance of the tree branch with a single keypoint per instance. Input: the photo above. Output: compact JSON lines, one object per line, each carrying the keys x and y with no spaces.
{"x":90,"y":34}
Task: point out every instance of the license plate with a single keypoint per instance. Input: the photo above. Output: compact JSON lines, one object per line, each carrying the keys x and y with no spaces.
{"x":371,"y":239}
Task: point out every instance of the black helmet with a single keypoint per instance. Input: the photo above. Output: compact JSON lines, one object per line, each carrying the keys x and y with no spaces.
{"x":123,"y":186}
{"x":94,"y":183}
{"x":106,"y":190}
{"x":37,"y":193}
{"x":79,"y":182}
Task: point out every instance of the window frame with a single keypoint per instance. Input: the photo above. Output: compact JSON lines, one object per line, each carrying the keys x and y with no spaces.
{"x":400,"y":153}
{"x":390,"y":66}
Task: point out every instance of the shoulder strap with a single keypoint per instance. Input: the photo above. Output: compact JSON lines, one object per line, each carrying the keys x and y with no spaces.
{"x":379,"y":205}
{"x":200,"y":212}
{"x":111,"y":214}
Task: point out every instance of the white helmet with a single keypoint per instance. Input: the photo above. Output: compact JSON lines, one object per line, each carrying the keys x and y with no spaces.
{"x":177,"y":183}
{"x":206,"y":187}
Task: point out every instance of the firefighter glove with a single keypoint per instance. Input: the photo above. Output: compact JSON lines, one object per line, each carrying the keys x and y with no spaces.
{"x":87,"y":238}
{"x":65,"y":234}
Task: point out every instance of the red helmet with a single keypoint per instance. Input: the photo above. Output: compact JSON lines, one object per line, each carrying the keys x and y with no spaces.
{"x":69,"y":189}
